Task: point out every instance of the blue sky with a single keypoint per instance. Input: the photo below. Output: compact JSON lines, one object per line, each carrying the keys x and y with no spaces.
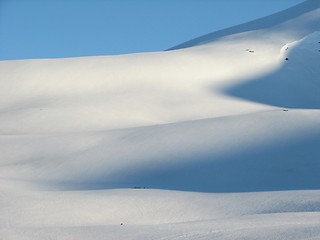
{"x":67,"y":28}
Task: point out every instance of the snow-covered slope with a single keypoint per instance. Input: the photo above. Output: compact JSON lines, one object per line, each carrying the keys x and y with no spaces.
{"x":294,"y":22}
{"x":216,"y":141}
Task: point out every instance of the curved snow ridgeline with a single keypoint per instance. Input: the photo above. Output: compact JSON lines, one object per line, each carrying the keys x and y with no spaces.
{"x":216,"y":140}
{"x":284,"y":21}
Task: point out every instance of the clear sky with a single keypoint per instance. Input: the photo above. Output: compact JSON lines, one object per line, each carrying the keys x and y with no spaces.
{"x":66,"y":28}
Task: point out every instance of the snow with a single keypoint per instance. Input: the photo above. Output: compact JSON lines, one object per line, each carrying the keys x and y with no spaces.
{"x":295,"y":22}
{"x":219,"y":140}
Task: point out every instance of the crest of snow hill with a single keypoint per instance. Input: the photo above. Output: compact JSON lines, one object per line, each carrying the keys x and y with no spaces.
{"x":160,"y":138}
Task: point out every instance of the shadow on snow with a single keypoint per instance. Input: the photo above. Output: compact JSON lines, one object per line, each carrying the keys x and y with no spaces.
{"x":295,"y":85}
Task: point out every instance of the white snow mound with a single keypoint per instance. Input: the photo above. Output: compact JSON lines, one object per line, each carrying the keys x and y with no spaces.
{"x":218,"y":139}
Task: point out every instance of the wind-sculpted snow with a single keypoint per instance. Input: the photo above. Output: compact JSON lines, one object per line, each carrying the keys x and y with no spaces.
{"x":254,"y":152}
{"x":308,"y":10}
{"x":216,"y":141}
{"x":295,"y":85}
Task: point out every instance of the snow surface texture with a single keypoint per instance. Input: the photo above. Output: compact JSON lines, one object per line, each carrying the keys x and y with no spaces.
{"x":219,"y":140}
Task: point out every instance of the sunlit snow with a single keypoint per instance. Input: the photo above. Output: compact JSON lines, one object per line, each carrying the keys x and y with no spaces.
{"x":216,"y":139}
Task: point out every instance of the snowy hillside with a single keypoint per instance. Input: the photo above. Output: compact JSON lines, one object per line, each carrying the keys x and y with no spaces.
{"x":216,"y":139}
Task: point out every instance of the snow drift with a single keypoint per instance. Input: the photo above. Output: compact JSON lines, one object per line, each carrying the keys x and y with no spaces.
{"x":218,"y":139}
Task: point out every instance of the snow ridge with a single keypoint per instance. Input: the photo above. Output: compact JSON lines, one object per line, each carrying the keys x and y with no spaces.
{"x":262,"y":23}
{"x":218,"y":140}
